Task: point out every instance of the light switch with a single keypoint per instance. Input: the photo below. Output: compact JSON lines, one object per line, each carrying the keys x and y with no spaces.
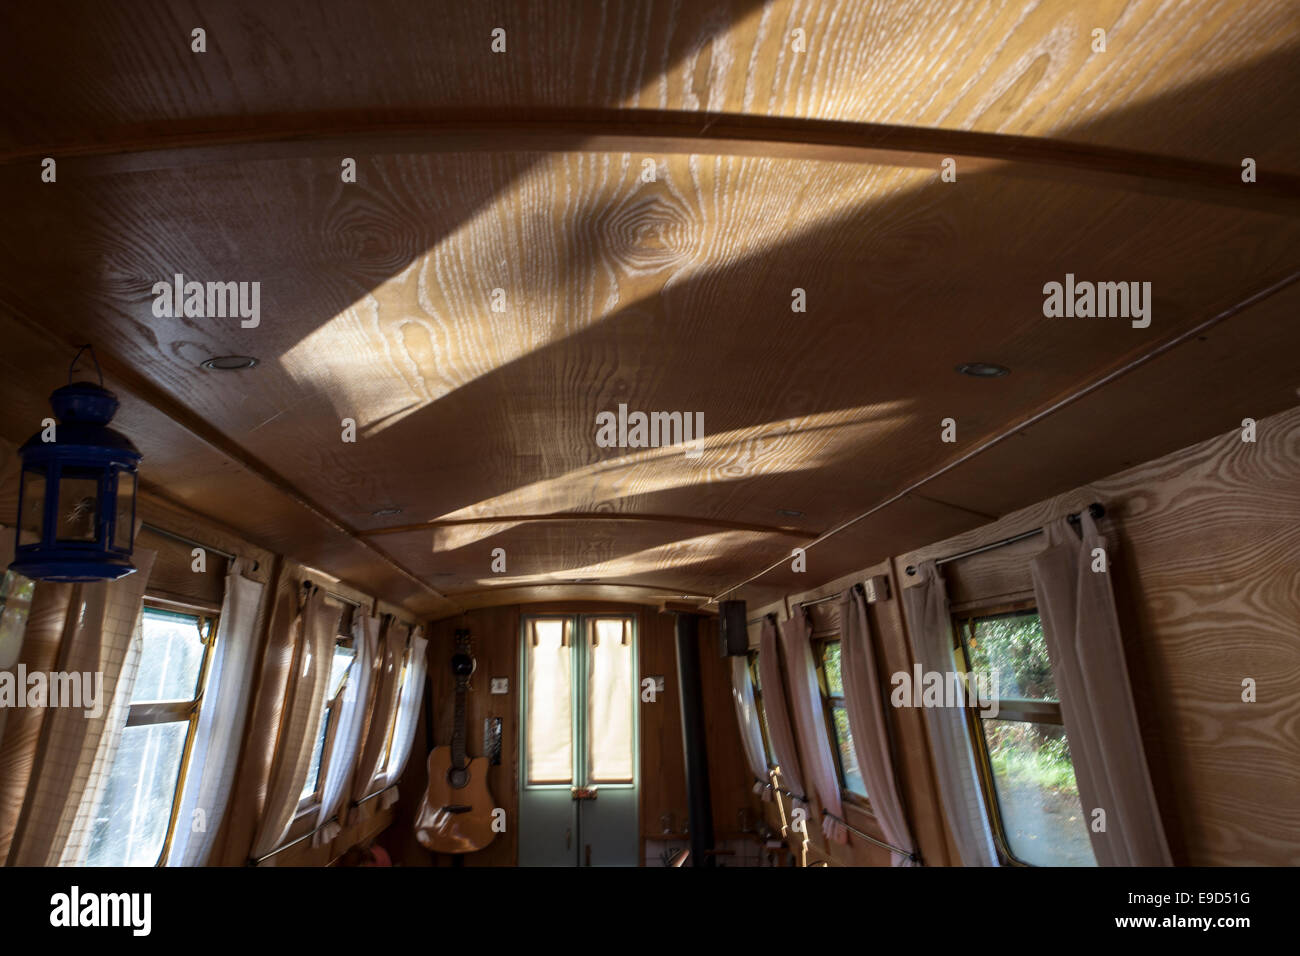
{"x":499,"y":685}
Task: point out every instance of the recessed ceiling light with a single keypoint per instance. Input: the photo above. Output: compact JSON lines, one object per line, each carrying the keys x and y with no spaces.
{"x":790,"y":513}
{"x":385,"y":512}
{"x":229,"y":363}
{"x":983,"y":370}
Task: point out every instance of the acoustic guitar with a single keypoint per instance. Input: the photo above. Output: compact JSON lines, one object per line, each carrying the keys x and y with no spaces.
{"x":455,"y":813}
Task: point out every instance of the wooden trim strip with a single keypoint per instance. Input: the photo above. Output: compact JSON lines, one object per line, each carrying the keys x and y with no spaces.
{"x":562,"y":516}
{"x":200,"y":141}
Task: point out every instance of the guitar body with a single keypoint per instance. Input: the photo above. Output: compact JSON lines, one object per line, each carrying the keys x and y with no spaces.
{"x":451,"y":819}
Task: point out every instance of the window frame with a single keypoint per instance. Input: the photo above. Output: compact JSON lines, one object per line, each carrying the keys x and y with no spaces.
{"x":1025,"y":711}
{"x":147,"y":713}
{"x":329,"y":724}
{"x":829,"y":703}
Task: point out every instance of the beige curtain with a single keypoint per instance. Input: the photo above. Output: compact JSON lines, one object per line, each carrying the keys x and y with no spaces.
{"x":388,"y":687}
{"x":810,"y":720}
{"x":1077,"y":607}
{"x":315,"y":630}
{"x":751,"y":732}
{"x":867,"y":721}
{"x":75,"y":751}
{"x":930,"y":625}
{"x":775,"y":709}
{"x":408,"y":709}
{"x":47,"y":622}
{"x":222,"y":718}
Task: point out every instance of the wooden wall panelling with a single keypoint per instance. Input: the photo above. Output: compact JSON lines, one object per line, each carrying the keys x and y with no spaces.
{"x":665,"y":810}
{"x":1205,"y":559}
{"x":735,"y":807}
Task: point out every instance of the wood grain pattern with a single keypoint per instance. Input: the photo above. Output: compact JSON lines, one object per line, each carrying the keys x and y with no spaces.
{"x":1014,"y":67}
{"x":1206,"y":567}
{"x":377,"y":295}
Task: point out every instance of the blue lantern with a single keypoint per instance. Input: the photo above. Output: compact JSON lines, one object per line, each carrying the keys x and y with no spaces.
{"x":76,"y":502}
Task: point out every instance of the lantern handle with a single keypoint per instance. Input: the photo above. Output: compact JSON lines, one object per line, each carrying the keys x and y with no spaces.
{"x":73,"y":367}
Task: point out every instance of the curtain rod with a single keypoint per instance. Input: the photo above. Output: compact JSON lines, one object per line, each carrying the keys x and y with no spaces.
{"x":910,"y":854}
{"x":259,"y":860}
{"x":1095,"y":509}
{"x":357,"y":803}
{"x":822,"y":600}
{"x":163,"y":532}
{"x":329,"y":593}
{"x":760,"y":620}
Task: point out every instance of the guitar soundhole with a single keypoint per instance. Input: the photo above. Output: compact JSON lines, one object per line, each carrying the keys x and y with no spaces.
{"x":458,"y":777}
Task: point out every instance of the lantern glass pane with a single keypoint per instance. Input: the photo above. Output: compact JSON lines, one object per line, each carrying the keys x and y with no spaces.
{"x":29,"y":523}
{"x":78,"y":505}
{"x":122,"y":527}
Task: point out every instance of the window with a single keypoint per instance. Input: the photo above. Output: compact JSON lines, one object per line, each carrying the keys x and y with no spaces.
{"x":548,"y":725}
{"x":340,"y":669}
{"x":138,"y":812}
{"x":756,"y":681}
{"x":837,"y":717}
{"x":1021,"y":747}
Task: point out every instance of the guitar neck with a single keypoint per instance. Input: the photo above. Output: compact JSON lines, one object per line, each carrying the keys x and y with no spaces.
{"x":458,"y":734}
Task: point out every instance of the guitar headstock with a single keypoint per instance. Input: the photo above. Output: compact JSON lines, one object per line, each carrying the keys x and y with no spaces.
{"x":462,"y":662}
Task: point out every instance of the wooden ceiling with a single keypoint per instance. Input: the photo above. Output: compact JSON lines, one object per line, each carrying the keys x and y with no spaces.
{"x":522,"y":171}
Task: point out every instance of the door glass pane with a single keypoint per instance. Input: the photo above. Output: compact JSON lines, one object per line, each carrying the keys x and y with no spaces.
{"x":610,"y":701}
{"x":1037,"y":793}
{"x":172,"y":657}
{"x":131,"y":824}
{"x":549,"y":726}
{"x":78,"y":506}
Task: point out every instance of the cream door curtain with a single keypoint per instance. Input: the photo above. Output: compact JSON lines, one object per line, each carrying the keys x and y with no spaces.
{"x":222,"y":715}
{"x":930,"y":626}
{"x":300,"y":723}
{"x":810,"y":719}
{"x":1077,"y":607}
{"x":392,"y":647}
{"x":408,"y":710}
{"x":351,"y":724}
{"x":868,"y":722}
{"x":777,"y":712}
{"x":75,"y":752}
{"x":751,"y":732}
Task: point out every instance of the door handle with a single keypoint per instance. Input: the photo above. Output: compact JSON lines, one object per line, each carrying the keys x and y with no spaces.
{"x":583,"y":793}
{"x":588,"y":863}
{"x":568,"y":839}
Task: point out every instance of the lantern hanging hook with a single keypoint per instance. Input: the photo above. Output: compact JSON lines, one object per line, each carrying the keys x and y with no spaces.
{"x":76,"y":358}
